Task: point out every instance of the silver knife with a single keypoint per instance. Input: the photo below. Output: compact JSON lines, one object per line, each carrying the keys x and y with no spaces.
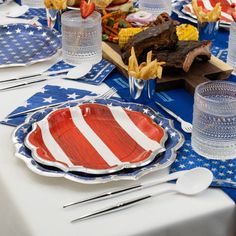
{"x":127,"y":189}
{"x":24,"y":84}
{"x":117,"y":207}
{"x":47,"y":73}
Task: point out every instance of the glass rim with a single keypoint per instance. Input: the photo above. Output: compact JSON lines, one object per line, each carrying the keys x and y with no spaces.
{"x":212,"y":100}
{"x":77,"y":11}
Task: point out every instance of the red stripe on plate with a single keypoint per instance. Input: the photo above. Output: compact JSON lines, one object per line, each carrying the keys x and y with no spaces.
{"x":225,"y":7}
{"x":146,"y":126}
{"x":72,"y":141}
{"x":36,"y":139}
{"x":101,"y":120}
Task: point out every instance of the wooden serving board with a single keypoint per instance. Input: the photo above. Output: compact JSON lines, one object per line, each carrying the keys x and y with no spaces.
{"x":200,"y":72}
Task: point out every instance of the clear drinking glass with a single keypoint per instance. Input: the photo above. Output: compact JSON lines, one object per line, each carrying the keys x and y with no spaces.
{"x":156,"y":7}
{"x":214,"y":120}
{"x":141,"y":91}
{"x":81,"y":38}
{"x":231,"y":59}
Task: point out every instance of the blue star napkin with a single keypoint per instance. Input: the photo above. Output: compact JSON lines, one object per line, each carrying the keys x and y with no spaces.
{"x":97,"y":74}
{"x":48,"y":95}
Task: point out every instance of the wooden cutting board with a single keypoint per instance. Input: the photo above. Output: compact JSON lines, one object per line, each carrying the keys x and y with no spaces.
{"x":200,"y":72}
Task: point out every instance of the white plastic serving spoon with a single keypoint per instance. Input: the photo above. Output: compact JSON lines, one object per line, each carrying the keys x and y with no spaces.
{"x":190,"y":183}
{"x":17,"y":11}
{"x":79,"y":71}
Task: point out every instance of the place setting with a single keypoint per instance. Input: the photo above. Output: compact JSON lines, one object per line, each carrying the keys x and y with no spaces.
{"x":130,"y":96}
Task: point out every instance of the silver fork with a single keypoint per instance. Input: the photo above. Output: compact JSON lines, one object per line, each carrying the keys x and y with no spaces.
{"x":185,"y":126}
{"x":108,"y":94}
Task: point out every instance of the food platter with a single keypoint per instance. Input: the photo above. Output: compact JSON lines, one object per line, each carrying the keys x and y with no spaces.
{"x":95,"y":139}
{"x":24,"y":44}
{"x":173,"y":143}
{"x":214,"y":68}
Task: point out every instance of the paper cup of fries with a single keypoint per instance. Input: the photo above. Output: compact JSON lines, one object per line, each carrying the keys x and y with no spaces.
{"x":142,"y":78}
{"x":208,"y":21}
{"x":54,"y":19}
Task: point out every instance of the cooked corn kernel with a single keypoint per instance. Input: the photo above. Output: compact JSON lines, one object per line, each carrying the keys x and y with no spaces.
{"x":126,"y":33}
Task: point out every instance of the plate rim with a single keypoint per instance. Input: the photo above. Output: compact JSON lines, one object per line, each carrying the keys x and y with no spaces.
{"x":79,"y":168}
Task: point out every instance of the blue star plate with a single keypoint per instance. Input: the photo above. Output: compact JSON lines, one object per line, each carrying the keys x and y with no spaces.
{"x":23,"y":44}
{"x":174,"y":142}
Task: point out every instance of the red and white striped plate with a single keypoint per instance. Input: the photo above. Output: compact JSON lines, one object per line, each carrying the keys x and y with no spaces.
{"x":208,"y":5}
{"x":95,"y":139}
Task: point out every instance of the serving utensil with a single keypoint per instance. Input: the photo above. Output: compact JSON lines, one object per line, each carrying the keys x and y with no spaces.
{"x":120,"y":191}
{"x":79,"y":71}
{"x":185,"y":126}
{"x":17,"y":11}
{"x":190,"y":183}
{"x":108,"y":94}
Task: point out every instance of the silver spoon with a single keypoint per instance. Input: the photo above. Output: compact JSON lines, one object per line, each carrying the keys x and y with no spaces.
{"x":190,"y":183}
{"x":128,"y":189}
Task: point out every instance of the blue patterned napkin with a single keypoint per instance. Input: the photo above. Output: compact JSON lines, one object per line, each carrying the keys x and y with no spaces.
{"x":176,"y":100}
{"x":48,"y":95}
{"x":96,"y":76}
{"x":32,"y":12}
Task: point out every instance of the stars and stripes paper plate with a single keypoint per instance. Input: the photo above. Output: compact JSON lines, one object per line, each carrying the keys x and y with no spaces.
{"x":23,"y":44}
{"x":208,"y":5}
{"x":164,"y":160}
{"x":184,"y":10}
{"x":95,"y":139}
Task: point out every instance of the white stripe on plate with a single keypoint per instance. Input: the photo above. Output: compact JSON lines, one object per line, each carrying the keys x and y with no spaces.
{"x":207,"y":5}
{"x":78,"y":119}
{"x":52,"y":145}
{"x":127,"y":124}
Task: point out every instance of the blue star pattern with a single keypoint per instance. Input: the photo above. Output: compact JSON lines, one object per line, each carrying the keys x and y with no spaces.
{"x":48,"y":95}
{"x":96,"y":76}
{"x":32,"y":12}
{"x":175,"y":140}
{"x":224,"y":171}
{"x":24,"y":43}
{"x":220,"y":53}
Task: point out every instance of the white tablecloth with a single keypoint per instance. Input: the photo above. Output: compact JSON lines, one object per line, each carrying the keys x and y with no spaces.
{"x":31,"y":205}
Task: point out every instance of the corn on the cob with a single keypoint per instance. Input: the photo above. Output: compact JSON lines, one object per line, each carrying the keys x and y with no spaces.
{"x":126,"y":33}
{"x":187,"y":32}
